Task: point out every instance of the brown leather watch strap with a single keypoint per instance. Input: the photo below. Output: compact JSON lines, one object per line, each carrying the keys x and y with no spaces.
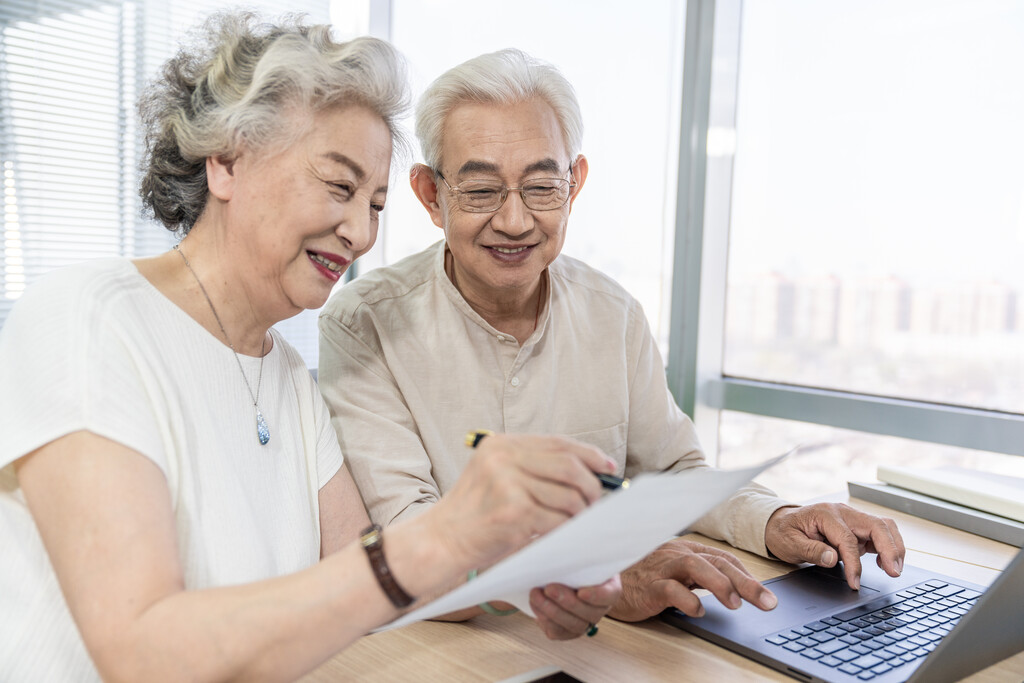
{"x":372,"y":541}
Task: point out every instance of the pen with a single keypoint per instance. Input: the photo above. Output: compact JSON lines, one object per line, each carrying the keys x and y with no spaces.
{"x":611,"y":482}
{"x":608,"y":481}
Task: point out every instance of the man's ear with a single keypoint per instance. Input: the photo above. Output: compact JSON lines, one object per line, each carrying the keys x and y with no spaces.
{"x":220,"y":177}
{"x":579,"y":176}
{"x":421,"y":177}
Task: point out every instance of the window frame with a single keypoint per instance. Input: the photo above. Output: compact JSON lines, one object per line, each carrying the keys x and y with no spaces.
{"x":697,"y":316}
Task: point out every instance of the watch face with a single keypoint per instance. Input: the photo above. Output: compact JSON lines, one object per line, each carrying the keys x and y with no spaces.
{"x":370,"y":536}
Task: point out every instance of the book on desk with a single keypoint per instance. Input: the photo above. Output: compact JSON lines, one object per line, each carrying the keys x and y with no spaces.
{"x":981,"y":503}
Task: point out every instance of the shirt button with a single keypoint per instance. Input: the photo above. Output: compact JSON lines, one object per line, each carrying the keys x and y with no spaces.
{"x":515,"y":382}
{"x":501,"y":338}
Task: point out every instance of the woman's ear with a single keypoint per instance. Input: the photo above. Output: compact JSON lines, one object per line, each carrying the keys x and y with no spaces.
{"x":220,"y":177}
{"x":421,"y":177}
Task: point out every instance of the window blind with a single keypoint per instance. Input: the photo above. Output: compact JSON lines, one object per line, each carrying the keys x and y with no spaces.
{"x":70,"y":74}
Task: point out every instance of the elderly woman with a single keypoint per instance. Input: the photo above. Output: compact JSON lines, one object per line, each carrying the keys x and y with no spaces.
{"x":173,"y":500}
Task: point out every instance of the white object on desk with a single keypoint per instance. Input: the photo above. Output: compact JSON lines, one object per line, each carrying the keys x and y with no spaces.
{"x":997,"y":494}
{"x":604,"y":539}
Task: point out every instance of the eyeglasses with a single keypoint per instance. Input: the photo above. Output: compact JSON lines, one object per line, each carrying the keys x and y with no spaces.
{"x":485,"y":196}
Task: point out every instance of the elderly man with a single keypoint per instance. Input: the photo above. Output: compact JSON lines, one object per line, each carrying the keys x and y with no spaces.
{"x":493,"y":328}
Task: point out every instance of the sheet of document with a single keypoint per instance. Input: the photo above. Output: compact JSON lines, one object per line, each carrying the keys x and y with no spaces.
{"x":609,"y":536}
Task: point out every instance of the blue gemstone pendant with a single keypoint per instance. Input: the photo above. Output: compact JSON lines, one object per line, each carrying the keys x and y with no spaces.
{"x":262,"y":430}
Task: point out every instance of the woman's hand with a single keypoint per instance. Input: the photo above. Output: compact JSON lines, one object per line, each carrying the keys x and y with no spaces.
{"x":514,"y":489}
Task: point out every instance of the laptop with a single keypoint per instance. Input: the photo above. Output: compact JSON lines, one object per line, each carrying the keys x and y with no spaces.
{"x":921,"y":626}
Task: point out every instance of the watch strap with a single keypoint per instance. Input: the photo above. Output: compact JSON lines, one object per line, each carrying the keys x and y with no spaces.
{"x":372,"y":540}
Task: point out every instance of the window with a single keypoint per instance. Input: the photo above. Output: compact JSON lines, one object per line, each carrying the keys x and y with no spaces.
{"x":863,"y":219}
{"x":70,"y":73}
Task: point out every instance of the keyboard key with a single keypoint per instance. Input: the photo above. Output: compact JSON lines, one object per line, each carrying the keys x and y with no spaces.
{"x":970,"y":595}
{"x":885,"y":640}
{"x":860,"y":623}
{"x":883,"y":654}
{"x":777,"y":640}
{"x":935,"y":583}
{"x":875,"y":631}
{"x":908,"y":656}
{"x":830,"y":647}
{"x":807,"y":642}
{"x":822,"y":637}
{"x":830,"y":661}
{"x":803,"y":631}
{"x":846,"y":655}
{"x":849,"y":669}
{"x":831,"y":621}
{"x":794,"y":646}
{"x":860,"y":649}
{"x":946,"y":591}
{"x":867,"y":608}
{"x":790,"y":635}
{"x":866,"y":675}
{"x":867,"y":661}
{"x":872,"y":618}
{"x":872,"y":645}
{"x":881,"y":669}
{"x":835,"y":632}
{"x":816,"y":626}
{"x":849,"y":640}
{"x":811,"y":653}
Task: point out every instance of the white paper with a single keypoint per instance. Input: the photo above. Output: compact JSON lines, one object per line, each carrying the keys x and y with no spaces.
{"x":609,"y":536}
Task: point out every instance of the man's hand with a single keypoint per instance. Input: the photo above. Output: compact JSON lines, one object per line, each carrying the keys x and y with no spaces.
{"x":813,"y":533}
{"x":563,"y":613}
{"x":664,"y":579}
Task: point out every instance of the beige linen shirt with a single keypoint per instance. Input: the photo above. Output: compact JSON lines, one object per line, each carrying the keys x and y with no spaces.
{"x":407,"y":367}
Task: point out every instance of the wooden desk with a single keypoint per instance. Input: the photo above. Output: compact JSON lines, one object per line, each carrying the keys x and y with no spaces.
{"x":494,"y":648}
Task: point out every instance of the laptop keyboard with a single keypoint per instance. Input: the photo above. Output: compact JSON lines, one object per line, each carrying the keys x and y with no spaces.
{"x":884,"y":634}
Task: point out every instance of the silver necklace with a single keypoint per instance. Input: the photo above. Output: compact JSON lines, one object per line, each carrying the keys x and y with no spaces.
{"x":262,"y":430}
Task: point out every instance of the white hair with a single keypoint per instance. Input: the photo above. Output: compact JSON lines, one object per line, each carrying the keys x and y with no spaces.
{"x":504,"y":77}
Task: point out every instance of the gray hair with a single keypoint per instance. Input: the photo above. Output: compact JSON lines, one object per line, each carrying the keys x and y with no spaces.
{"x":504,"y":77}
{"x":242,"y":82}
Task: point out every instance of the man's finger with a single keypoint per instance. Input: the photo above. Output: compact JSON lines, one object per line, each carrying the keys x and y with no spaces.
{"x":749,"y":588}
{"x":846,"y":544}
{"x":557,"y":623}
{"x":682,"y":598}
{"x":888,"y":543}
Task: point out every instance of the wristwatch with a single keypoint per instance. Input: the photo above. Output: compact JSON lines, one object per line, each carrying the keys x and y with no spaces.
{"x":372,"y":540}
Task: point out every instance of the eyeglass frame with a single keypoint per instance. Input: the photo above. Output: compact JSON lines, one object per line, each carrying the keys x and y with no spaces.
{"x":505,"y":191}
